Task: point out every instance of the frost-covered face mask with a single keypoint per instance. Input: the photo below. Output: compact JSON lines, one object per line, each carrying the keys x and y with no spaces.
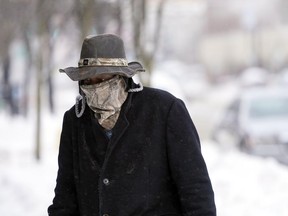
{"x":106,"y":99}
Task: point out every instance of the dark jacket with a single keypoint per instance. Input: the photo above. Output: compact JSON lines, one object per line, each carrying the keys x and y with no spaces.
{"x":152,"y":165}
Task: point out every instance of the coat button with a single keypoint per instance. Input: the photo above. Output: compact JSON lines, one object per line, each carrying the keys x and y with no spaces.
{"x":106,"y":182}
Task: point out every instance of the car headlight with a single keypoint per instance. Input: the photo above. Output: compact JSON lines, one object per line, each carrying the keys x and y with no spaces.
{"x":261,"y":140}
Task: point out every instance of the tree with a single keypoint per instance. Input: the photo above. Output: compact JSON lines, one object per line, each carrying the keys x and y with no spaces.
{"x":142,"y":51}
{"x":8,"y":24}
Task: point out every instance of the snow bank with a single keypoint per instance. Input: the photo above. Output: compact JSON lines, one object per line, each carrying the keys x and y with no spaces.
{"x":246,"y":185}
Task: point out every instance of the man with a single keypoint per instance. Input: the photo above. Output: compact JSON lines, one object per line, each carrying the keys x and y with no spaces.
{"x":126,"y":150}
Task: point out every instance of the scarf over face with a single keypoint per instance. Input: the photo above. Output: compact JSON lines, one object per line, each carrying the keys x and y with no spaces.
{"x":106,"y":99}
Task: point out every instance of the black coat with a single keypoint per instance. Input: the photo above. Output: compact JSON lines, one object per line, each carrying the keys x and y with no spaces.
{"x":152,"y":165}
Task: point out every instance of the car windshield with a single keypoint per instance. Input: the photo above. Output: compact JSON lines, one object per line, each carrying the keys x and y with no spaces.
{"x":269,"y":107}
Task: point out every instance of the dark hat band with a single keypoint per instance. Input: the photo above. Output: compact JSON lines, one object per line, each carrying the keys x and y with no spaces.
{"x":117,"y":62}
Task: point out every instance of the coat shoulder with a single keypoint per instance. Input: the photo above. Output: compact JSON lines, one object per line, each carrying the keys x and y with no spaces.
{"x":70,"y":112}
{"x":158,"y":95}
{"x":155,"y":99}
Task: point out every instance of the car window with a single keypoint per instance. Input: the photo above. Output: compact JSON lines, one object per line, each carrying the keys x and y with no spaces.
{"x":269,"y":107}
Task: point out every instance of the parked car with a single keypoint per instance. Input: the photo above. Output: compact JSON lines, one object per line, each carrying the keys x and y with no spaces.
{"x":257,"y":123}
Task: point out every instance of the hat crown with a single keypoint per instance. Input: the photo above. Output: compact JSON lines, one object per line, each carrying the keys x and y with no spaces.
{"x":103,"y":46}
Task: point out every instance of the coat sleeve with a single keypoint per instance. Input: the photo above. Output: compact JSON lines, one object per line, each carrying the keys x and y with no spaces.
{"x":65,"y":201}
{"x":188,"y":168}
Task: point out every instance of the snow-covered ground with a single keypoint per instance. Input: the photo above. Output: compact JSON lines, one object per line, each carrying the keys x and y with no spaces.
{"x":244,"y":185}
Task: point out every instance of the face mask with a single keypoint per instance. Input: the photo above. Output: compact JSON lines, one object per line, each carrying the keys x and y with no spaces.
{"x":106,"y":99}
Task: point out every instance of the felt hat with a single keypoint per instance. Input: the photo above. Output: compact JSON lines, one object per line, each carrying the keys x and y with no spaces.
{"x":102,"y":54}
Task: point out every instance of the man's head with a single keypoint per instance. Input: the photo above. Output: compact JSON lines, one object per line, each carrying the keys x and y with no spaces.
{"x":102,"y":55}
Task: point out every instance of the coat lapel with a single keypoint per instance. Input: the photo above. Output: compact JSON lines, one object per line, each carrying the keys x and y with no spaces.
{"x":86,"y":138}
{"x":120,"y":127}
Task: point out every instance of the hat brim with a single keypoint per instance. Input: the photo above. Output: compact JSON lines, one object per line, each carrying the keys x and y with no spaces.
{"x":81,"y":73}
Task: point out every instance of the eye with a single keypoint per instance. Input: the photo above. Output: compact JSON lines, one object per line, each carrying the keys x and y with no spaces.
{"x":86,"y":82}
{"x":96,"y":80}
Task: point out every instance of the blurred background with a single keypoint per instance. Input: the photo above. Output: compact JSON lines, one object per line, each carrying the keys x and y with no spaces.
{"x":226,"y":59}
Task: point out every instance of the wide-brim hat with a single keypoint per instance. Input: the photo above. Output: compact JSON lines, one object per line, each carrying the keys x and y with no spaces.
{"x":102,"y":54}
